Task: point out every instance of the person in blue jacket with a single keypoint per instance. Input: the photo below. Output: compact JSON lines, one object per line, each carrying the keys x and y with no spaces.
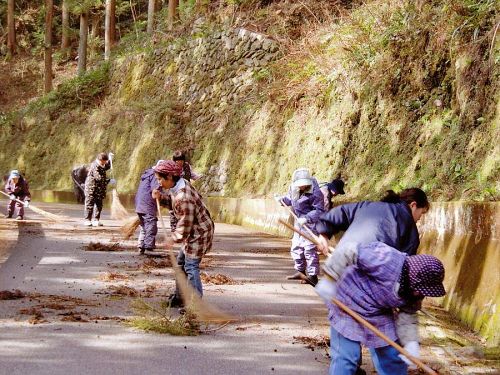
{"x":145,"y":207}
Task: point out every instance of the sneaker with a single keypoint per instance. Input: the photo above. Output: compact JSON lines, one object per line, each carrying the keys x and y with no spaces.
{"x":297,"y":276}
{"x":87,"y":223}
{"x":96,"y":223}
{"x":7,"y":216}
{"x":19,"y":217}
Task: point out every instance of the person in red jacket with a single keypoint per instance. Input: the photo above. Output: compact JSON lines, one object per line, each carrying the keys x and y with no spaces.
{"x":18,"y":189}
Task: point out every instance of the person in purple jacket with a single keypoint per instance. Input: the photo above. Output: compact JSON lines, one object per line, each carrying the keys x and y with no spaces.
{"x":145,"y":207}
{"x":18,"y":189}
{"x":374,"y":280}
{"x":306,"y":200}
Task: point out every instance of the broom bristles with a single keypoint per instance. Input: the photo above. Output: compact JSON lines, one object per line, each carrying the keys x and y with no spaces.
{"x":118,"y":211}
{"x":48,"y":215}
{"x":129,"y":228}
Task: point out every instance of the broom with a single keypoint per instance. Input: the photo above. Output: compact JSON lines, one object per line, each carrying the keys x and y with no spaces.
{"x":204,"y":311}
{"x":363,"y":322}
{"x":48,"y":215}
{"x":118,"y":211}
{"x":129,"y":228}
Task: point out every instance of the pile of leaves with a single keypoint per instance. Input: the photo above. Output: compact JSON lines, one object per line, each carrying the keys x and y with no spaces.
{"x":158,"y":318}
{"x":217,"y":279}
{"x":312,"y":343}
{"x":97,"y":246}
{"x":15,"y":294}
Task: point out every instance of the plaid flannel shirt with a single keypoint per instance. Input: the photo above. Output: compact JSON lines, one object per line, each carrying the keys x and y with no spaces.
{"x":195,"y":227}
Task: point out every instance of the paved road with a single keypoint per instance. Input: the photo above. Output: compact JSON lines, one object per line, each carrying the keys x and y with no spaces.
{"x":38,"y":257}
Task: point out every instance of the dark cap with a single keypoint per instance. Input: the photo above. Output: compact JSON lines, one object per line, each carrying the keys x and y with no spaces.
{"x":336,"y":186}
{"x":426,"y":274}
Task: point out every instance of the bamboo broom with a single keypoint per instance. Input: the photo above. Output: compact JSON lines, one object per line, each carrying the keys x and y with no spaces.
{"x":48,"y":215}
{"x":363,"y":322}
{"x":118,"y":211}
{"x":204,"y":311}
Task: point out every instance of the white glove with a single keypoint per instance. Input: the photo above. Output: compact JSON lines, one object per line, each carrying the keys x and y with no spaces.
{"x":112,"y":182}
{"x":302,"y":221}
{"x":278,"y":198}
{"x":326,"y":289}
{"x":111,"y":155}
{"x":414,"y":349}
{"x":26,"y":204}
{"x":12,"y":197}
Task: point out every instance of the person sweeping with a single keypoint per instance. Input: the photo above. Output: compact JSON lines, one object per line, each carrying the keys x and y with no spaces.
{"x":95,"y":189}
{"x":306,"y":200}
{"x":195,"y":227}
{"x":378,"y":282}
{"x":391,"y":221}
{"x":20,"y":197}
{"x":145,"y":207}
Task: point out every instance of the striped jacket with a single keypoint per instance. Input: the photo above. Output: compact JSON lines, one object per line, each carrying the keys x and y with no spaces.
{"x":195,"y":227}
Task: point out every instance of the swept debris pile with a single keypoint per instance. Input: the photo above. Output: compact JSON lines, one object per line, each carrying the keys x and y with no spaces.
{"x":97,"y":246}
{"x":217,"y":279}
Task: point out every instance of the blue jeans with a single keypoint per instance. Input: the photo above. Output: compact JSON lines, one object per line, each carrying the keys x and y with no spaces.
{"x":191,"y":267}
{"x":346,"y":355}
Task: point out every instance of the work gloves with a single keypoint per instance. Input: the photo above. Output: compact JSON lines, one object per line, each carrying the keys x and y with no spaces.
{"x":111,"y":155}
{"x":413,"y":348}
{"x":112,"y":182}
{"x":26,"y":204}
{"x":12,"y":197}
{"x":301,"y":221}
{"x":326,"y":289}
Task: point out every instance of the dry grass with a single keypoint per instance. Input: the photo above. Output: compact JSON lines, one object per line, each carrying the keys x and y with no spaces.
{"x":150,"y":264}
{"x":158,"y":318}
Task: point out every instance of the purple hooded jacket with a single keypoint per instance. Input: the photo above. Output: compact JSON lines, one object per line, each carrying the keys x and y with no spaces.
{"x":144,"y":203}
{"x":309,"y":204}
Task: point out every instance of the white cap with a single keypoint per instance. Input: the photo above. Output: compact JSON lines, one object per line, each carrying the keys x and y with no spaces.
{"x":301,"y":177}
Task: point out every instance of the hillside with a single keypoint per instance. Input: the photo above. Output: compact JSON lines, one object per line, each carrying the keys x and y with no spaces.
{"x":385,"y":94}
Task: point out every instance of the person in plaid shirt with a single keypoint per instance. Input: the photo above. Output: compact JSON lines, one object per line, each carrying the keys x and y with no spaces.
{"x":195,"y":227}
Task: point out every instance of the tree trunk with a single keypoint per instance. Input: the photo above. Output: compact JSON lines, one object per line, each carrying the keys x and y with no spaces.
{"x":82,"y":48}
{"x":11,"y":28}
{"x":65,"y":27}
{"x":172,"y":12}
{"x":151,"y":16}
{"x":109,"y":28}
{"x":49,"y":10}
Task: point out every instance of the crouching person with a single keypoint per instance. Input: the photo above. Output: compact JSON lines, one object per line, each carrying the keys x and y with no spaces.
{"x":18,"y":189}
{"x":195,"y":228}
{"x":374,"y":280}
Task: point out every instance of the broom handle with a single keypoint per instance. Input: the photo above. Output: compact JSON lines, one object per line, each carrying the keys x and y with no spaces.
{"x":310,"y":236}
{"x":363,"y":322}
{"x":309,"y":231}
{"x":7,"y":195}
